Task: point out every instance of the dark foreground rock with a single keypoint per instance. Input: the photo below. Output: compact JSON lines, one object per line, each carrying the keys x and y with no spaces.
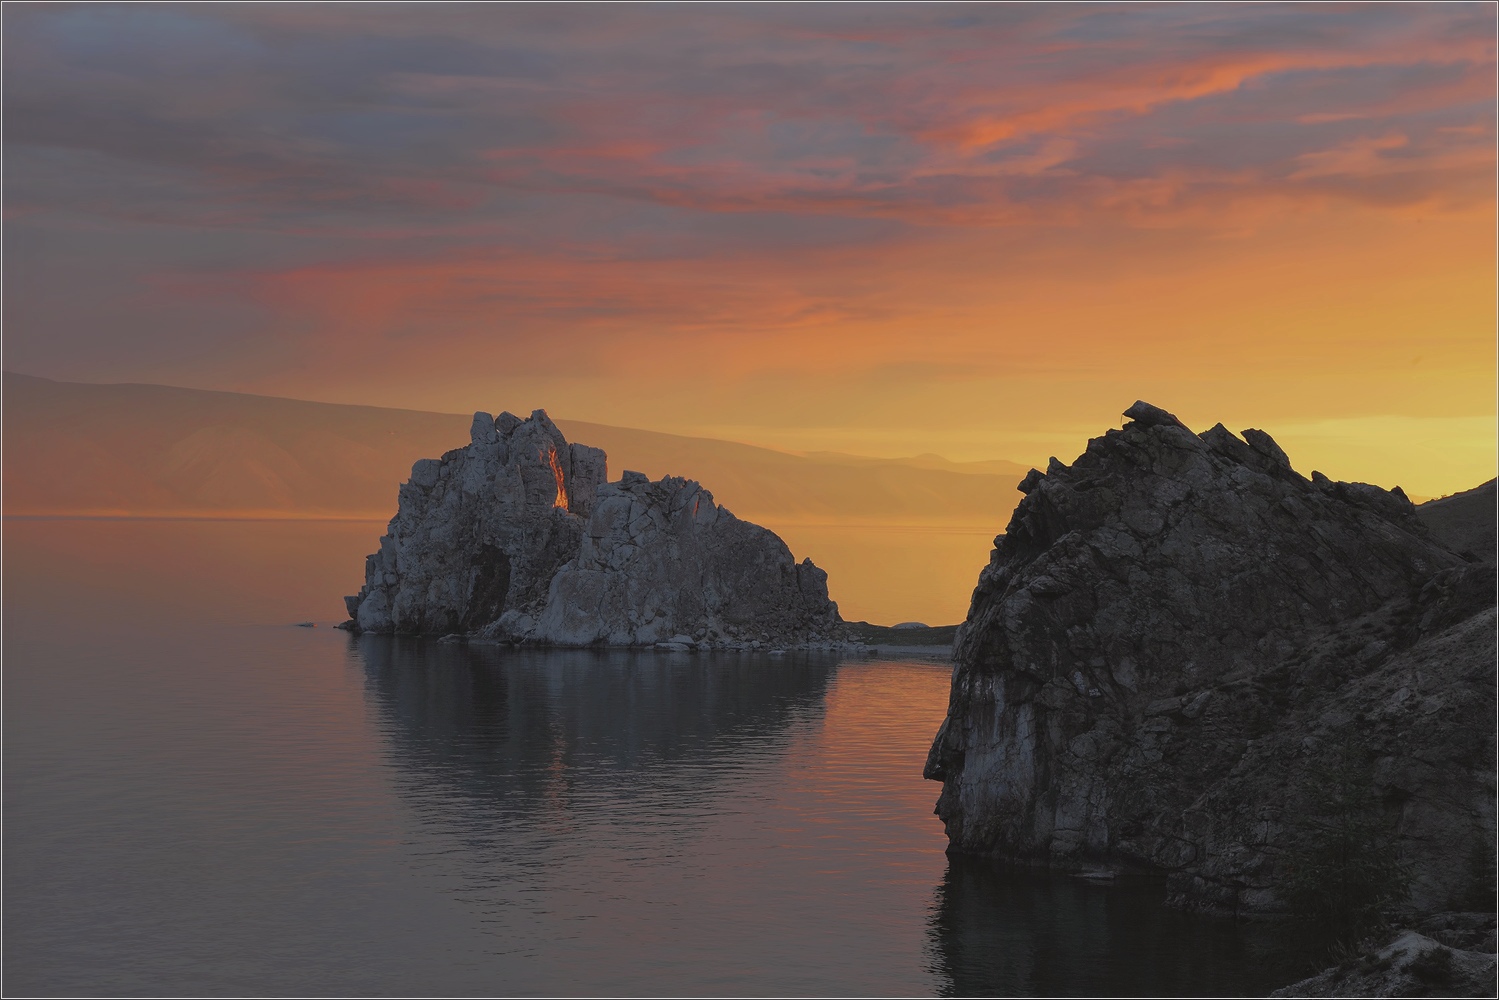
{"x":1411,"y":964}
{"x":1180,"y":643}
{"x":519,"y":537}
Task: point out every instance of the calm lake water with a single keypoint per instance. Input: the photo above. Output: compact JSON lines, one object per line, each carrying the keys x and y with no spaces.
{"x":201,"y":797}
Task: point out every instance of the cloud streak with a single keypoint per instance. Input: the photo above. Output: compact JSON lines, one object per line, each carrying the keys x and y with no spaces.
{"x":930,"y":116}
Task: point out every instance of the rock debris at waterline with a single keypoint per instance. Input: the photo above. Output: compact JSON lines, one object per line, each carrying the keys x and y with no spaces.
{"x":1178,"y":638}
{"x":519,"y":537}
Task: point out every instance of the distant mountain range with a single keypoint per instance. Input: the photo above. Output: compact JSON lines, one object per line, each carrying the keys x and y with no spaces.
{"x":900,"y":538}
{"x":160,"y":450}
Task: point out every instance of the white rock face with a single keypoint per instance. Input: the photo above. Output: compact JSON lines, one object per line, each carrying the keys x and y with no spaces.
{"x":520,"y":537}
{"x":481,"y":530}
{"x":661,"y":563}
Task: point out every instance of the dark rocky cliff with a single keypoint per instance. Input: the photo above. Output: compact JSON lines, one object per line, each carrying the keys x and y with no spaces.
{"x":1179,"y":637}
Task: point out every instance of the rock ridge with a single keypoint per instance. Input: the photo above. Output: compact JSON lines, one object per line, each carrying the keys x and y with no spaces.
{"x":1173,"y":637}
{"x":520,"y":537}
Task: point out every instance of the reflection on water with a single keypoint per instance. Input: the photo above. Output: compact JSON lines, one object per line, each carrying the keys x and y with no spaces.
{"x":652,"y":823}
{"x":1006,"y":931}
{"x":500,"y":744}
{"x":202,"y":798}
{"x":506,"y":722}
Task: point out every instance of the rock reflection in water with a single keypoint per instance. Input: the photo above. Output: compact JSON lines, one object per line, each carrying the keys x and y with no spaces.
{"x":511,"y":746}
{"x":507,"y":725}
{"x":999,"y":930}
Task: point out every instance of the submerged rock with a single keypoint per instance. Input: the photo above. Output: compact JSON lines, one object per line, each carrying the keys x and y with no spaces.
{"x":1174,"y":642}
{"x":520,"y":537}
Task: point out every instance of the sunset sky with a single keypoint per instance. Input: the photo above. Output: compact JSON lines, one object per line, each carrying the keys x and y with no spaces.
{"x":975,"y":231}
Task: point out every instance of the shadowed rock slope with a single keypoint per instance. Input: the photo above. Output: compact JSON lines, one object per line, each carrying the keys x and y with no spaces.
{"x":1464,"y":522}
{"x":1410,"y":965}
{"x":519,"y":537}
{"x":1179,"y":637}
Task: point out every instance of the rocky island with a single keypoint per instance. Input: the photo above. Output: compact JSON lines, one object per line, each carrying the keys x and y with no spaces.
{"x":520,"y":537}
{"x":1184,"y":656}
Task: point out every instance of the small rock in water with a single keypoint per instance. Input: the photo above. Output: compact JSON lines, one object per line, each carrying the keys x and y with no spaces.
{"x":306,"y":624}
{"x":911,"y":625}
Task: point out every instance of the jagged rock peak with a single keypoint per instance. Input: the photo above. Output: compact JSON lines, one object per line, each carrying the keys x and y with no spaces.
{"x":482,"y":529}
{"x":1147,"y":415}
{"x":520,"y":536}
{"x":1256,"y":449}
{"x":1161,"y":625}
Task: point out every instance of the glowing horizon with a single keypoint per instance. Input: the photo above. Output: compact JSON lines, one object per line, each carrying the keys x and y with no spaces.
{"x":968,"y":231}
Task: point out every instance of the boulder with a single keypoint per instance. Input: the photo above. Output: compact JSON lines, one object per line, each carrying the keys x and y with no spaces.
{"x":1174,"y":642}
